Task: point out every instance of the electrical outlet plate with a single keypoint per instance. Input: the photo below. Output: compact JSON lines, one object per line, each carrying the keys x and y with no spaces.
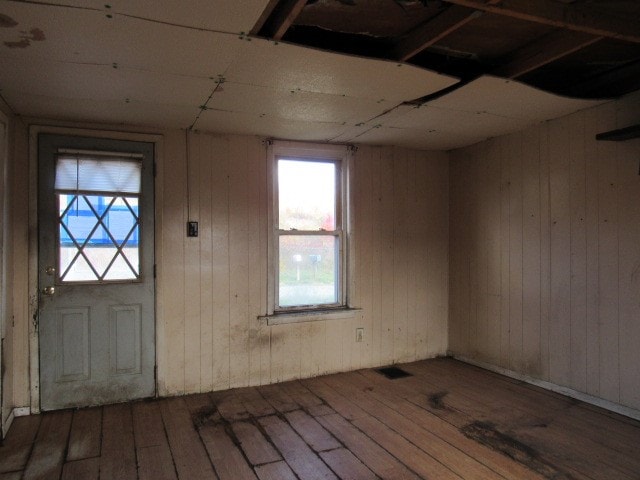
{"x":359,"y":334}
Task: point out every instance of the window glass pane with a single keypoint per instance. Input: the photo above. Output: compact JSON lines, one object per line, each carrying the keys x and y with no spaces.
{"x":93,"y":175}
{"x":98,"y":238}
{"x":308,"y":270}
{"x":306,"y":195}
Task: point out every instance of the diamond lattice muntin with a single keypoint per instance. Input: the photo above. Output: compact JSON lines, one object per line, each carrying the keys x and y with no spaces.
{"x":98,"y":238}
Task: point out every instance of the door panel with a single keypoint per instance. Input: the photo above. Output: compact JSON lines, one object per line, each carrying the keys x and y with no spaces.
{"x":95,"y":271}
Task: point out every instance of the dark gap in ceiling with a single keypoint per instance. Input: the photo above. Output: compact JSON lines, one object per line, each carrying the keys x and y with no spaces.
{"x":581,"y":48}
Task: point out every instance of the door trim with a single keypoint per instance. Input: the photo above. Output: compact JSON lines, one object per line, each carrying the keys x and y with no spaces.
{"x":34,"y":339}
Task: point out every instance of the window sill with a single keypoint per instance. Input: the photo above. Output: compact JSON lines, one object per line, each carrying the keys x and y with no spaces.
{"x":283,"y":318}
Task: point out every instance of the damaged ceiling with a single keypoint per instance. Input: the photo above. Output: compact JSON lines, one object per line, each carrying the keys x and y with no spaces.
{"x":582,"y":48}
{"x":250,"y":68}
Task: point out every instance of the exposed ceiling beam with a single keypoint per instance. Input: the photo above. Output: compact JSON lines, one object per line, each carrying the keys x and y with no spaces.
{"x":626,"y":77}
{"x":580,"y":18}
{"x":550,"y":48}
{"x":281,"y":18}
{"x":434,"y":30}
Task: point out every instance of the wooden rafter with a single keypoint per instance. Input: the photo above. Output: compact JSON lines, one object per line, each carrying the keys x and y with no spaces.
{"x":628,"y":75}
{"x":552,"y":47}
{"x":580,"y":18}
{"x":281,"y":18}
{"x":434,"y":30}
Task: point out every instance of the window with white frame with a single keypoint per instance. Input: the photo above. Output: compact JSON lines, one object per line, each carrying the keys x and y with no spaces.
{"x":308,"y":253}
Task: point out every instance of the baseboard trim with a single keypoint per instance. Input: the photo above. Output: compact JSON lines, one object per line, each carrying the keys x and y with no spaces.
{"x":569,"y":392}
{"x":21,"y":411}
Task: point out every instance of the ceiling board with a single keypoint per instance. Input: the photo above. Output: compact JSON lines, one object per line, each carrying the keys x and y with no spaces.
{"x":287,"y":67}
{"x":267,"y":126}
{"x":224,"y":15}
{"x":95,"y":111}
{"x":443,"y":121}
{"x":295,"y":104}
{"x":102,"y":83}
{"x":418,"y":139}
{"x":511,"y":99}
{"x":85,"y":36}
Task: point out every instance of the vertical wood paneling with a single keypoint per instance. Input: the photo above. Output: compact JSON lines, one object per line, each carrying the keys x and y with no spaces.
{"x":386,"y":256}
{"x":494,"y":280}
{"x":206,"y":285}
{"x":608,"y":269}
{"x":545,"y":250}
{"x":505,"y":206}
{"x":219,"y":157}
{"x":561,"y":235}
{"x":578,"y":379}
{"x":172,"y":289}
{"x":592,"y":161}
{"x":531,"y":254}
{"x":560,"y":315}
{"x":193,"y":264}
{"x":629,"y":274}
{"x":400,"y":247}
{"x":239,"y":216}
{"x":514,"y":154}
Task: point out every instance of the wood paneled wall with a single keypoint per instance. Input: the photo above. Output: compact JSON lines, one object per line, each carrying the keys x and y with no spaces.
{"x":545,"y":253}
{"x":212,"y":288}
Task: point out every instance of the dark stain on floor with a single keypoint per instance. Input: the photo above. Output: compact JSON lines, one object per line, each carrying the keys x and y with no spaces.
{"x":436,"y":400}
{"x":487,"y":434}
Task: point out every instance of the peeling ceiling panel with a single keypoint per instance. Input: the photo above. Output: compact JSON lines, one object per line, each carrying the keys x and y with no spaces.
{"x":223,"y":15}
{"x":418,"y":139}
{"x":295,"y":104}
{"x":251,"y":124}
{"x":447,"y":122}
{"x":85,"y":36}
{"x":289,"y":67}
{"x":511,"y":99}
{"x":83,"y":110}
{"x":103,"y":83}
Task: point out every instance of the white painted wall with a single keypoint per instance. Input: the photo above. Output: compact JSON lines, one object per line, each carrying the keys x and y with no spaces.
{"x":545,"y":253}
{"x":211,"y":289}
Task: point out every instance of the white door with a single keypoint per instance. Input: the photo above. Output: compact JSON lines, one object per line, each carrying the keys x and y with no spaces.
{"x":96,"y":314}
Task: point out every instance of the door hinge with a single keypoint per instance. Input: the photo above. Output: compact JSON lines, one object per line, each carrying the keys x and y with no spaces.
{"x":154,"y":270}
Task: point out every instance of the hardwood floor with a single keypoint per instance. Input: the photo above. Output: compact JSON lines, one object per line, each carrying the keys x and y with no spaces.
{"x":446,"y":421}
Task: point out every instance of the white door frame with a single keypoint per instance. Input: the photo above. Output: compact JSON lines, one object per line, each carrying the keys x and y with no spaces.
{"x":34,"y":339}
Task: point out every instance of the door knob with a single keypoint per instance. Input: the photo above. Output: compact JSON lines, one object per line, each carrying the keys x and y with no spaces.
{"x":50,"y":270}
{"x":48,"y":291}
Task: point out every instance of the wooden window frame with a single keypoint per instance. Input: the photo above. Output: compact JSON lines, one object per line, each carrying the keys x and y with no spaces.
{"x":340,"y":156}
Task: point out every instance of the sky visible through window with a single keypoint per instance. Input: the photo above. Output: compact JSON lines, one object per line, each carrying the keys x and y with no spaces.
{"x":307,"y":195}
{"x":308,"y":267}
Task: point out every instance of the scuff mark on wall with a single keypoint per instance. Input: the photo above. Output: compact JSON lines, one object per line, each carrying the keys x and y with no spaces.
{"x":33,"y":35}
{"x":6,"y":21}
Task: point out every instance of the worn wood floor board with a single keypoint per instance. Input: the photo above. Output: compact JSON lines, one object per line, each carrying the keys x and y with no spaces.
{"x":16,"y":447}
{"x":346,"y":465}
{"x":85,"y":469}
{"x":254,"y":444}
{"x":85,"y":441}
{"x":47,"y":456}
{"x":427,"y":421}
{"x":275,"y":471}
{"x":441,"y":450}
{"x":311,"y":431}
{"x":189,"y":455}
{"x":118,"y":456}
{"x":155,"y":463}
{"x":448,"y":420}
{"x":302,"y":460}
{"x":527,"y":417}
